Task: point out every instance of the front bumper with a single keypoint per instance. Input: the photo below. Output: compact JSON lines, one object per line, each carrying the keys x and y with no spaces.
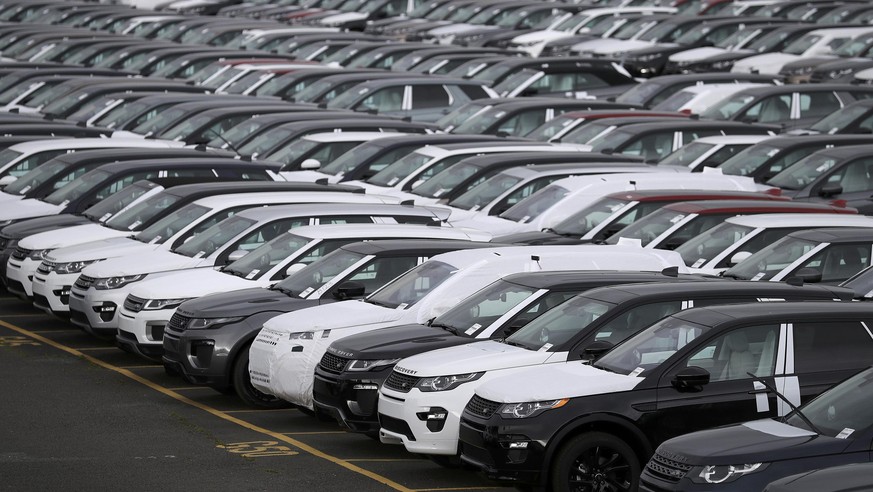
{"x":51,"y":292}
{"x":19,"y":277}
{"x":485,"y":445}
{"x":96,"y":311}
{"x":142,"y":333}
{"x":350,"y":398}
{"x":204,"y":357}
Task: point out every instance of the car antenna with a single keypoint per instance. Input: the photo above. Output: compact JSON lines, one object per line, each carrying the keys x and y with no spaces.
{"x":229,"y":145}
{"x":794,"y":407}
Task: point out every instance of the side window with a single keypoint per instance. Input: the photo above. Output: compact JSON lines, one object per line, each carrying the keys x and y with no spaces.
{"x":436,"y":169}
{"x":413,"y":219}
{"x":206,"y":224}
{"x":788,"y":159}
{"x":832,"y":346}
{"x":191,"y":173}
{"x":384,"y":100}
{"x":474,"y":91}
{"x":855,"y":176}
{"x":429,"y":96}
{"x":745,"y":350}
{"x":839,"y":262}
{"x":865,"y":125}
{"x":268,"y":232}
{"x":567,"y":82}
{"x":818,"y":104}
{"x":770,"y":110}
{"x":60,"y":183}
{"x":653,"y":146}
{"x":693,"y":228}
{"x":348,"y":219}
{"x":522,"y":193}
{"x":381,"y":271}
{"x":634,"y":320}
{"x":386,"y":159}
{"x":548,"y":301}
{"x":765,"y":238}
{"x":322,"y":249}
{"x":523,"y":123}
{"x":692,"y":135}
{"x":723,"y":154}
{"x":32,"y":162}
{"x":122,"y":183}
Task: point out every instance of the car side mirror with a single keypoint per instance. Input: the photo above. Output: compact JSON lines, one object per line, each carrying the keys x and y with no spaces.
{"x":674,"y":242}
{"x":349,"y":290}
{"x":236,"y":255}
{"x":829,"y":190}
{"x":748,"y":119}
{"x":310,"y":164}
{"x":740,"y":257}
{"x":808,"y":275}
{"x":691,"y":379}
{"x":596,"y":350}
{"x":5,"y":180}
{"x":516,"y":325}
{"x":294,"y":267}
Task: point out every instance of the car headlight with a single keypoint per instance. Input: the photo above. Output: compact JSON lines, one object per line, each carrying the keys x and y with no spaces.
{"x":645,"y":58}
{"x":835,"y":74}
{"x":528,"y":44}
{"x":39,"y":254}
{"x":530,"y":408}
{"x":722,"y":65}
{"x":369,"y":365}
{"x":6,"y":222}
{"x":801,"y":71}
{"x":72,"y":267}
{"x":301,"y":335}
{"x":156,"y":304}
{"x":723,"y":473}
{"x":111,"y":283}
{"x":446,"y":383}
{"x":206,"y":323}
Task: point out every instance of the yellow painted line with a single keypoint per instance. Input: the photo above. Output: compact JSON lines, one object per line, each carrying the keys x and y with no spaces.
{"x":455,"y":488}
{"x":136,"y":367}
{"x":385,"y":459}
{"x":184,"y":388}
{"x":315,"y":433}
{"x":255,"y":410}
{"x":96,"y":348}
{"x":32,"y":315}
{"x":61,"y":330}
{"x":217,"y":413}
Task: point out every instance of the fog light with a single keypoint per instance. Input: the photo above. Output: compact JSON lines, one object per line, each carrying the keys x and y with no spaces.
{"x":518,"y":445}
{"x":368,"y":387}
{"x":435,"y":418}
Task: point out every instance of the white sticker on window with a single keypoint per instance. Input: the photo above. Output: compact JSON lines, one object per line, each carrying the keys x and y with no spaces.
{"x":545,"y":347}
{"x":252,"y":274}
{"x":698,"y":263}
{"x":105,"y":216}
{"x":155,"y":240}
{"x":472,"y":329}
{"x":64,"y":203}
{"x":758,"y":276}
{"x":306,"y":292}
{"x":24,"y":190}
{"x":439,"y":192}
{"x":402,"y":305}
{"x":134,"y":225}
{"x":200,"y":254}
{"x":636,"y":372}
{"x":676,"y":219}
{"x":393,"y":181}
{"x":845,"y":433}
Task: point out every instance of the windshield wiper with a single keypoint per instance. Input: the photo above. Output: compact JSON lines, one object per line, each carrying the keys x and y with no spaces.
{"x":794,"y":408}
{"x":514,"y":344}
{"x":450,"y":329}
{"x":283,"y":290}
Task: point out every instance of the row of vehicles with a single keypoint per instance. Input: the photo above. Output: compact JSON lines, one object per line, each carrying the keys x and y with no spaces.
{"x":545,"y":241}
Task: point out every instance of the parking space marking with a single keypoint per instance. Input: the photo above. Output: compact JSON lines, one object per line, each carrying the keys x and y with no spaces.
{"x":258,"y":449}
{"x":314,"y":433}
{"x":59,"y":330}
{"x":447,"y":489}
{"x":98,"y":348}
{"x":16,"y":341}
{"x":217,"y":413}
{"x":190,"y":388}
{"x":137,"y":367}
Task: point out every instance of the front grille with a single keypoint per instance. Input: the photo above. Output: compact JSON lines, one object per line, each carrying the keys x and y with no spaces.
{"x":667,"y":469}
{"x":3,"y":242}
{"x":21,"y":253}
{"x":84,"y":282}
{"x":46,"y":267}
{"x":333,"y":363}
{"x":178,"y":322}
{"x":396,"y":426}
{"x":401,"y":382}
{"x":481,"y":407}
{"x":134,"y":304}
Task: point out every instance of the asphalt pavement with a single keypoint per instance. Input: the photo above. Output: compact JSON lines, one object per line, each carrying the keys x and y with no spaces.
{"x":80,"y":414}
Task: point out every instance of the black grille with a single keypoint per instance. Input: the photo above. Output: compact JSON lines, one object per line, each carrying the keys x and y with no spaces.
{"x":21,"y":253}
{"x":396,"y":425}
{"x":46,"y":267}
{"x":333,"y":363}
{"x":481,"y":407}
{"x":401,"y":382}
{"x":667,"y":469}
{"x":134,"y":304}
{"x":178,"y":322}
{"x":84,"y":282}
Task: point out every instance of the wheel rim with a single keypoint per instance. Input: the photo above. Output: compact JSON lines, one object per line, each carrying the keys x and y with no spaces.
{"x":600,"y":469}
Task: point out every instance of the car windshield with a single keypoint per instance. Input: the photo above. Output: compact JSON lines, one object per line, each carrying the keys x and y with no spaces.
{"x":841,"y":410}
{"x":771,"y":260}
{"x":394,"y":173}
{"x":265,"y":141}
{"x":534,"y":205}
{"x":699,"y":250}
{"x":223,"y":78}
{"x":34,"y":177}
{"x":460,"y":115}
{"x":206,"y":243}
{"x":839,"y":119}
{"x":309,"y":279}
{"x":736,"y":38}
{"x":132,"y":218}
{"x":686,"y":155}
{"x":769,"y":41}
{"x":77,"y":187}
{"x":650,"y":227}
{"x":294,"y":150}
{"x":648,"y":349}
{"x":13,"y":92}
{"x":261,"y":260}
{"x":485,"y":192}
{"x":59,"y":106}
{"x":92,"y":108}
{"x":551,"y":128}
{"x":611,"y":140}
{"x":52,"y":94}
{"x":121,"y":114}
{"x":570,"y":24}
{"x":238,"y":134}
{"x":446,"y":180}
{"x":163,"y":120}
{"x":727,"y":108}
{"x":413,"y":285}
{"x":586,"y":133}
{"x":803,"y":172}
{"x":675,"y":102}
{"x":693,"y":35}
{"x":350,"y":161}
{"x":184,"y":128}
{"x":749,"y":160}
{"x":481,"y":122}
{"x":641,"y":93}
{"x":583,"y":221}
{"x":479,"y":311}
{"x":111,"y":205}
{"x":557,"y":326}
{"x":512,"y":82}
{"x":167,"y":226}
{"x":659,"y":32}
{"x":799,"y":46}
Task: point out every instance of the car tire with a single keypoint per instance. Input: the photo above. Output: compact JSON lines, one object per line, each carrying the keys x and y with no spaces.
{"x":242,"y":384}
{"x":595,"y":461}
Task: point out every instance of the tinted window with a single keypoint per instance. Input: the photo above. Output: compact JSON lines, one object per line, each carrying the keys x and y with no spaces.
{"x":840,"y":261}
{"x":746,"y":350}
{"x":818,"y":104}
{"x":429,"y":96}
{"x":634,"y":320}
{"x":832,"y":346}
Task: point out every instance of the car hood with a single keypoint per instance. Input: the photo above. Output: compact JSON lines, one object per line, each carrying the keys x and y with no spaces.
{"x":304,"y":176}
{"x":190,"y":283}
{"x":486,"y":355}
{"x":28,"y":227}
{"x":752,"y":442}
{"x":144,"y":263}
{"x":244,"y":302}
{"x":696,"y":54}
{"x":396,"y":342}
{"x":98,"y":250}
{"x":489,"y":223}
{"x":29,"y":207}
{"x":8,"y":197}
{"x":610,"y":46}
{"x":75,"y":234}
{"x":555,"y":381}
{"x":770,"y":63}
{"x":339,"y":315}
{"x":539,"y":36}
{"x":536,"y":238}
{"x":344,"y":17}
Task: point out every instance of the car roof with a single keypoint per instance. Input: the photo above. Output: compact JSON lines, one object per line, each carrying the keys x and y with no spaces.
{"x":98,"y":155}
{"x":623,"y":293}
{"x":705,"y":207}
{"x":618,"y":113}
{"x":786,"y":142}
{"x":229,"y":187}
{"x":331,"y":231}
{"x":585,"y":279}
{"x":835,"y":235}
{"x":733,"y":139}
{"x":528,"y":158}
{"x":783,"y":89}
{"x":680,"y":124}
{"x":847,"y":151}
{"x":763,"y":311}
{"x":801,"y":220}
{"x":348,"y":136}
{"x":660,"y":195}
{"x":388,"y":247}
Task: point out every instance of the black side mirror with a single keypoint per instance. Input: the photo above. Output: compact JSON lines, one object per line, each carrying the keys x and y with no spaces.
{"x":674,"y":242}
{"x":809,"y":275}
{"x":830,"y":189}
{"x":516,"y":325}
{"x":596,"y":350}
{"x":349,"y":290}
{"x":691,"y":379}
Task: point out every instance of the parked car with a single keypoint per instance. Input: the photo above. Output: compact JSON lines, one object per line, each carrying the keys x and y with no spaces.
{"x":710,"y":151}
{"x":657,"y":89}
{"x":845,"y":478}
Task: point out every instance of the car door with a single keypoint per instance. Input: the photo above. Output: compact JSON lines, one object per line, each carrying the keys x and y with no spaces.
{"x":835,"y":262}
{"x":811,"y":106}
{"x":731,"y":394}
{"x":261,"y":234}
{"x":430,"y":102}
{"x":852,"y":182}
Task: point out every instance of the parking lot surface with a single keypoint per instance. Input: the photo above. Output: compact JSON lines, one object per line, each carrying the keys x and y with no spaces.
{"x":80,"y":414}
